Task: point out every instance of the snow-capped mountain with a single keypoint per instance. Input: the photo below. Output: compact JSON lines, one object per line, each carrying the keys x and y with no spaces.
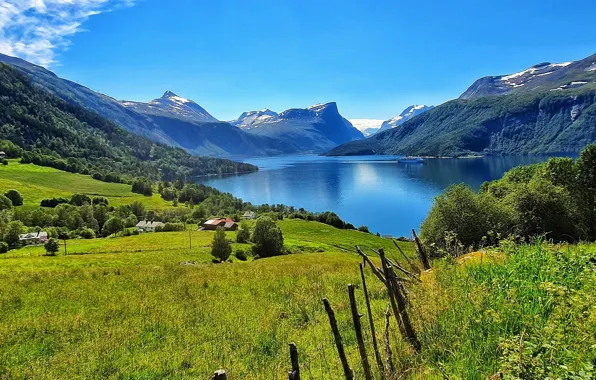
{"x":252,"y":119}
{"x":543,"y":76}
{"x":367,"y":126}
{"x":314,"y":129}
{"x":172,"y":105}
{"x":407,"y":114}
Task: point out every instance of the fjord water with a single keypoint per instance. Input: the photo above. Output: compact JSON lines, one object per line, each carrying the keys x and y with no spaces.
{"x":376,"y":191}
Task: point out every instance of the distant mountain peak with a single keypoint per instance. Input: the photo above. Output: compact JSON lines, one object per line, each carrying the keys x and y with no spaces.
{"x":172,"y":105}
{"x":169,"y":94}
{"x":250,"y":119}
{"x":410,"y":112}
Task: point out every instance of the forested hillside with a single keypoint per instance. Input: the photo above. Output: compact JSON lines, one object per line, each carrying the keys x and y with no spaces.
{"x":535,"y":122}
{"x":53,"y":132}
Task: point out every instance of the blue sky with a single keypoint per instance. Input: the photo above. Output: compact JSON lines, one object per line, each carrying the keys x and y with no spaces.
{"x":372,"y":58}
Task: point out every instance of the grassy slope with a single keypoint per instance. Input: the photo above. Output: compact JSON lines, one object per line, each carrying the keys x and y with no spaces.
{"x":37,"y":182}
{"x":141,"y":315}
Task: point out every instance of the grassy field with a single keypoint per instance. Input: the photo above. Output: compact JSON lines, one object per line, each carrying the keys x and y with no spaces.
{"x":37,"y":182}
{"x":524,"y":313}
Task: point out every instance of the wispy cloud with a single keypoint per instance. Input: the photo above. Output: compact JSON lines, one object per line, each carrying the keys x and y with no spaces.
{"x":37,"y":30}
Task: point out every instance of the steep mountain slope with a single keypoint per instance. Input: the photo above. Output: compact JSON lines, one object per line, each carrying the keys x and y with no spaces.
{"x":59,"y":134}
{"x":543,"y":76}
{"x":533,"y":122}
{"x":407,"y":114}
{"x":76,"y":94}
{"x":252,"y":119}
{"x":549,"y":108}
{"x":172,"y":105}
{"x":314,"y":130}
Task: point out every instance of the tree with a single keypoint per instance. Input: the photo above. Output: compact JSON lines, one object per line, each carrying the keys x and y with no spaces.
{"x":52,"y":246}
{"x":15,"y":197}
{"x":220,"y":247}
{"x":5,"y":202}
{"x":112,"y":226}
{"x":268,"y":238}
{"x":80,"y":199}
{"x":13,"y":230}
{"x":243,"y":234}
{"x":142,"y":186}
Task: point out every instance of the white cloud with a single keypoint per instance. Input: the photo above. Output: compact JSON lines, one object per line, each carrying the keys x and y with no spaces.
{"x":36,"y":30}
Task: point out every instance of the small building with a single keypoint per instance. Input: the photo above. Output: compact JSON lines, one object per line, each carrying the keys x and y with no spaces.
{"x":390,"y":237}
{"x":148,"y":226}
{"x":212,"y":224}
{"x":2,"y":155}
{"x":34,"y":237}
{"x":249,"y":215}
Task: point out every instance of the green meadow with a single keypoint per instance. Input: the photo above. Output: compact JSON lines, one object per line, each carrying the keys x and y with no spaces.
{"x":155,"y":306}
{"x":36,"y":183}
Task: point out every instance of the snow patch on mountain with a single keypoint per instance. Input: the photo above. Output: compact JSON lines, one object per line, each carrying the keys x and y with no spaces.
{"x":407,"y":114}
{"x":172,"y":105}
{"x":252,"y":119}
{"x":521,"y":78}
{"x":367,"y":126}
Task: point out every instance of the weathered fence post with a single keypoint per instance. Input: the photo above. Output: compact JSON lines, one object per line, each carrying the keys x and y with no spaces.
{"x":349,"y":374}
{"x":359,"y":336}
{"x":220,"y":375}
{"x":401,"y":313}
{"x":388,"y":353}
{"x":372,"y":323}
{"x":421,"y":252}
{"x":294,"y":374}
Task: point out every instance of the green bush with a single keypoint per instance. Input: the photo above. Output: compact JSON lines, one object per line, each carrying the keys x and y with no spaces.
{"x":241,"y":254}
{"x":169,"y":227}
{"x":363,"y":229}
{"x":15,"y":197}
{"x":243,"y":233}
{"x":5,"y":203}
{"x":52,"y":247}
{"x":112,"y":225}
{"x":87,"y":233}
{"x":221,"y":248}
{"x":3,"y":247}
{"x":268,"y":238}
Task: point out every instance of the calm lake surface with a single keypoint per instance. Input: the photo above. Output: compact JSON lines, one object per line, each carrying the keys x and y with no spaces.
{"x":376,"y":191}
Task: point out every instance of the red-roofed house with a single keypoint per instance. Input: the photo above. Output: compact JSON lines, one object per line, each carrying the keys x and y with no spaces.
{"x":212,"y":224}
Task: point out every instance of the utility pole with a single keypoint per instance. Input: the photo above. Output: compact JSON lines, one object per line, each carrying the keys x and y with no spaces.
{"x":64,"y":247}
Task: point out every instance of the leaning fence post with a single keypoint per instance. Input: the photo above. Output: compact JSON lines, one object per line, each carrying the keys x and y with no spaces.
{"x":220,"y":375}
{"x":372,"y":323}
{"x":338,"y":343}
{"x":421,"y":252}
{"x":294,"y":374}
{"x":406,"y":326}
{"x":388,"y":353}
{"x":359,"y":336}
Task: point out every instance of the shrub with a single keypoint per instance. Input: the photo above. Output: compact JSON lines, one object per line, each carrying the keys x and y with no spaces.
{"x":15,"y":197}
{"x":100,"y":201}
{"x":169,"y":227}
{"x":80,"y":199}
{"x":13,"y":230}
{"x":464,"y":215}
{"x":363,"y":229}
{"x":268,"y":238}
{"x":3,"y":247}
{"x":243,"y":233}
{"x":241,"y":254}
{"x":5,"y":202}
{"x":53,"y":202}
{"x":52,"y":247}
{"x":220,"y":248}
{"x":87,"y":233}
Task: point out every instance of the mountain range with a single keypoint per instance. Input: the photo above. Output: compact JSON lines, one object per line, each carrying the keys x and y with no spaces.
{"x":180,"y":122}
{"x":548,"y":108}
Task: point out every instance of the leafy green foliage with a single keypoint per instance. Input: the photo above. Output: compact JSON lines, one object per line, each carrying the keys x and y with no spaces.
{"x":556,"y":199}
{"x":268,"y":238}
{"x":112,"y":226}
{"x":51,"y":247}
{"x":220,"y":247}
{"x":142,"y":186}
{"x":243,"y":233}
{"x":15,"y":197}
{"x":5,"y":203}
